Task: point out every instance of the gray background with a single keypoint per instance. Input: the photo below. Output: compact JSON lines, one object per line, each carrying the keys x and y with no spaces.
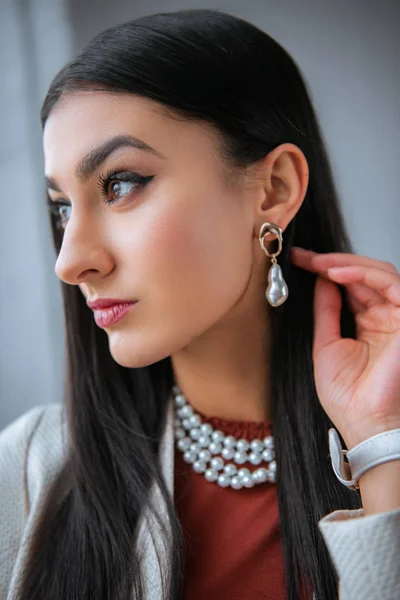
{"x":348,"y":53}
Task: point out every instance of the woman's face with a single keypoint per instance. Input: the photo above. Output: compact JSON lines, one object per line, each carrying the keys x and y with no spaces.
{"x":181,"y":242}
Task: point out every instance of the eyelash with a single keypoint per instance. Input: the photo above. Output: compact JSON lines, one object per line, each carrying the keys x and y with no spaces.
{"x":103,"y":183}
{"x":124,"y":176}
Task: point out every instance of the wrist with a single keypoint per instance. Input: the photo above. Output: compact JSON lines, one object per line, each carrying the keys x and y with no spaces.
{"x":380,"y":488}
{"x":356,"y":437}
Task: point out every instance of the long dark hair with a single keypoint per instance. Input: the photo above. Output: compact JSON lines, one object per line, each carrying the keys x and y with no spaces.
{"x":212,"y":67}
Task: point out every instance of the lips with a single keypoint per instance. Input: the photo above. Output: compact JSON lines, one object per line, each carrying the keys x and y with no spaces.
{"x":102,"y":303}
{"x":105,"y":317}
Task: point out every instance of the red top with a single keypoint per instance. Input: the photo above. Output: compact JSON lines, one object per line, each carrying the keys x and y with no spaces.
{"x":232,"y":538}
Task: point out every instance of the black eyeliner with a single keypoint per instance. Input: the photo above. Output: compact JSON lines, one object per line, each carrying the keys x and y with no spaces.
{"x":125,"y":176}
{"x":103,"y":182}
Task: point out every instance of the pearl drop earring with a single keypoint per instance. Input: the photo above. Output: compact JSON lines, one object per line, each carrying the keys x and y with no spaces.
{"x":277,"y":290}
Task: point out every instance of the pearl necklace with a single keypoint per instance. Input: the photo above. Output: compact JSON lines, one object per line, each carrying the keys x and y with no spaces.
{"x":200,"y":444}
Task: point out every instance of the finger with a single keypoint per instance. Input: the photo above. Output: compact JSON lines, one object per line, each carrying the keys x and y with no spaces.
{"x":383,"y":317}
{"x":339,"y":259}
{"x":384,"y":282}
{"x":358,"y":293}
{"x":361,"y":296}
{"x":327,"y":308}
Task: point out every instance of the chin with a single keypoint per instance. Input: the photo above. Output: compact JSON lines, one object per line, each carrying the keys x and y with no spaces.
{"x":133,"y":354}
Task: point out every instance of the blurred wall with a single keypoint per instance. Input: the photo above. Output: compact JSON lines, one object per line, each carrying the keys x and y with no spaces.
{"x":35,"y":43}
{"x":348,"y":53}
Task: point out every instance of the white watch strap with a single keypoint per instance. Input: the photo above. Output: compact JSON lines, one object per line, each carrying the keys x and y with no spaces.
{"x":377,"y":449}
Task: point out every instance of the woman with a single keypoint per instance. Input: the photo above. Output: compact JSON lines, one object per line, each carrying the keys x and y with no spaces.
{"x":184,"y":163}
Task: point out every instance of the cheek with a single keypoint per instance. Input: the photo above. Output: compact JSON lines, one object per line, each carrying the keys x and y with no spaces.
{"x":196,"y":263}
{"x":188,"y":266}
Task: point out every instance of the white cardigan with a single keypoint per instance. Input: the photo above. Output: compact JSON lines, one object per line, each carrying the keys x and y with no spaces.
{"x":364,"y":549}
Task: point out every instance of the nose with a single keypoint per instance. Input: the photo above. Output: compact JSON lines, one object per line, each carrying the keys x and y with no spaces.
{"x":83,"y":256}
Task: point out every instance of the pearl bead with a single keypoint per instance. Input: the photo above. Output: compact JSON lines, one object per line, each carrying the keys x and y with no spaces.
{"x":268,"y":454}
{"x":206,"y":429}
{"x":236,"y":482}
{"x":240,"y":458}
{"x":244,"y":472}
{"x":224,"y":480}
{"x":230,"y":441}
{"x":269,"y":441}
{"x":218,"y":436}
{"x":179,"y":400}
{"x":247,"y":481}
{"x":230,"y":470}
{"x":204,"y":455}
{"x":195,"y":434}
{"x":227,"y":453}
{"x":186,"y":424}
{"x":262,"y":474}
{"x":195,"y":421}
{"x":257,"y":445}
{"x":185,"y":412}
{"x":215,"y":448}
{"x":194,"y":446}
{"x":255,"y":458}
{"x":199,"y":466}
{"x":189,"y":456}
{"x":242,"y":445}
{"x":211,"y":475}
{"x":272,"y":465}
{"x":180,"y":433}
{"x":217,"y":463}
{"x":184,"y":443}
{"x":204,"y":441}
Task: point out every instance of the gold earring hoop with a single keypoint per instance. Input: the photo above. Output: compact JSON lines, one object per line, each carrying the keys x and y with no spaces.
{"x":277,"y":290}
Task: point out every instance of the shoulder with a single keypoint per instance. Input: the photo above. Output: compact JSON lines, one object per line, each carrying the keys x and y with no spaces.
{"x":40,"y":428}
{"x":23,"y":426}
{"x":32,"y":449}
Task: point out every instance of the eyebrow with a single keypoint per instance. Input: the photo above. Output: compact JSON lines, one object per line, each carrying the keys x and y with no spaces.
{"x":91,"y":161}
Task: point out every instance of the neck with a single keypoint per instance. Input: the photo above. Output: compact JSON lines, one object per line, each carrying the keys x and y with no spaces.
{"x":225,"y":372}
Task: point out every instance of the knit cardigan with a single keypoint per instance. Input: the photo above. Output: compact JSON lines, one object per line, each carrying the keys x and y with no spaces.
{"x":365,"y":549}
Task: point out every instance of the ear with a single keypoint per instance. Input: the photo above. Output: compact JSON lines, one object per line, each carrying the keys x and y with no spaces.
{"x":284,"y":173}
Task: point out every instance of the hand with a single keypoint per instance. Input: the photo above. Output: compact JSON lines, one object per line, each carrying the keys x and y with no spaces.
{"x":357,"y":381}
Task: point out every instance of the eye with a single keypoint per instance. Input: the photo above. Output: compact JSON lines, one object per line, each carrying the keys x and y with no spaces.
{"x":116,"y":185}
{"x":118,"y":189}
{"x":63,"y":210}
{"x":61,"y":213}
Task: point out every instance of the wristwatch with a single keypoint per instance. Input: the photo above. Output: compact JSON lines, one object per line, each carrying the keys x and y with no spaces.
{"x":379,"y":448}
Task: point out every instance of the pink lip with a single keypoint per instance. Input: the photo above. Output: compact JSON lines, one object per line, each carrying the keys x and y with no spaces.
{"x":105,"y":317}
{"x":106,"y":302}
